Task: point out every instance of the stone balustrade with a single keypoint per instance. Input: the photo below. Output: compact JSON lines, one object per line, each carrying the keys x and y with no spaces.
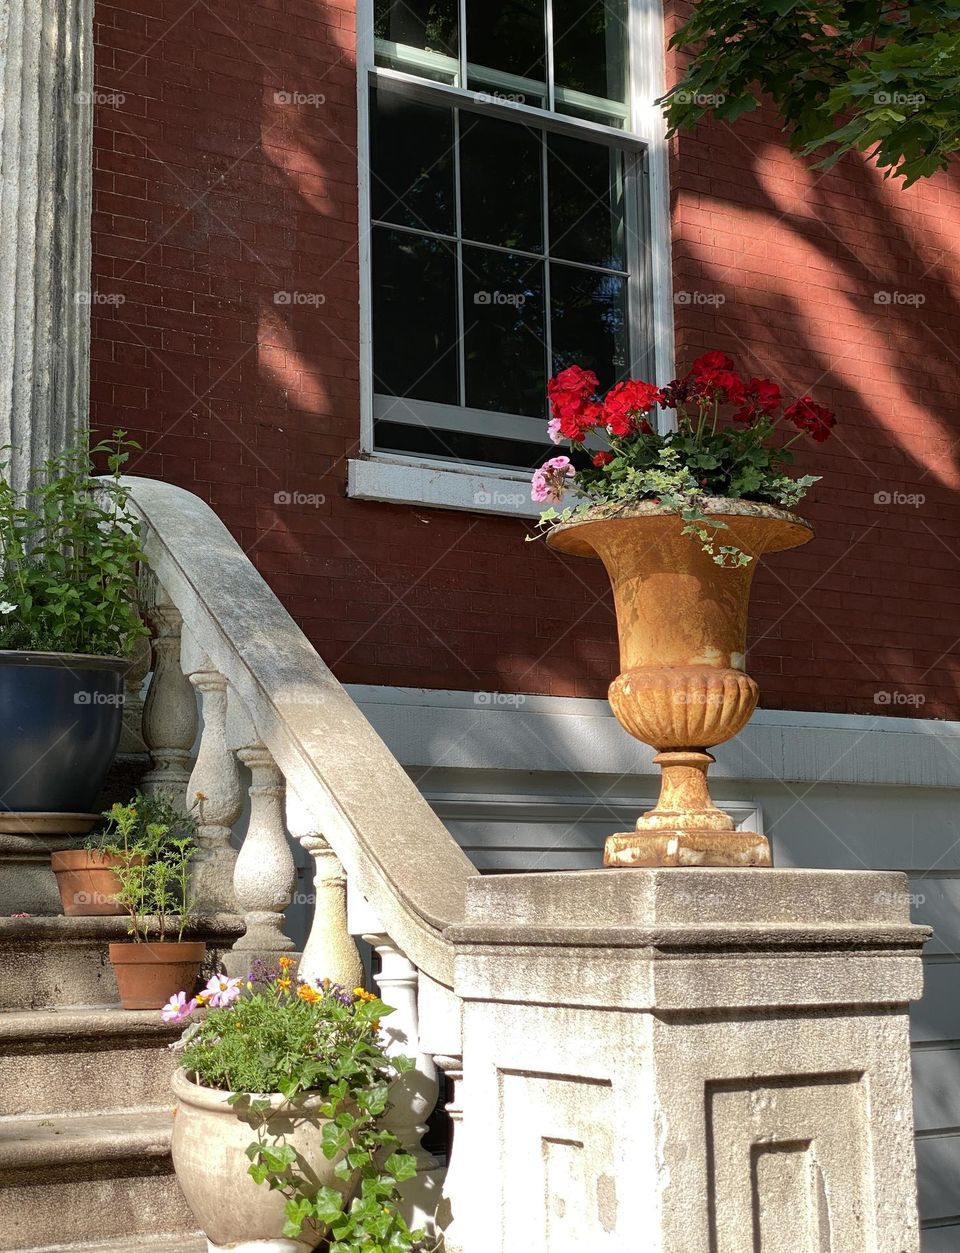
{"x":675,"y":1057}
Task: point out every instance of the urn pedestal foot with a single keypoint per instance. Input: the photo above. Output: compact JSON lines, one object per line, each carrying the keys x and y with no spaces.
{"x":687,"y":848}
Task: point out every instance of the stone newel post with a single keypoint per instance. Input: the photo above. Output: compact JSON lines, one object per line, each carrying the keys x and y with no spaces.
{"x":46,"y":112}
{"x":702,"y":1061}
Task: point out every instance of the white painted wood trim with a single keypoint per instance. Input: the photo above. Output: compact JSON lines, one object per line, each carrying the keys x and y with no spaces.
{"x":412,"y":483}
{"x":504,"y":731}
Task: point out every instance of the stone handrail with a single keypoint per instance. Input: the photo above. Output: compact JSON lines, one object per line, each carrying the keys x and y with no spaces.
{"x":394,"y":849}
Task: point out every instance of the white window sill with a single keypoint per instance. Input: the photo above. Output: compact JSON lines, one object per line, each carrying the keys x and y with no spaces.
{"x":432,"y":486}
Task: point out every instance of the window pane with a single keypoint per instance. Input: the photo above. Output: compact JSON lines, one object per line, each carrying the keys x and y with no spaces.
{"x":589,"y":322}
{"x":501,"y":185}
{"x":411,"y":158}
{"x":590,"y":43}
{"x":430,"y":25}
{"x":507,"y":49}
{"x":586,"y":202}
{"x":461,"y":446}
{"x":504,"y":350}
{"x":414,"y":316}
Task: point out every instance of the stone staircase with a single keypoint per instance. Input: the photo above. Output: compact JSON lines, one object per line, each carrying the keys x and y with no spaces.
{"x":86,"y":1112}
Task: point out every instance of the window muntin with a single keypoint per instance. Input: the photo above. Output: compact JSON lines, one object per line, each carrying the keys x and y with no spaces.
{"x":505,"y":242}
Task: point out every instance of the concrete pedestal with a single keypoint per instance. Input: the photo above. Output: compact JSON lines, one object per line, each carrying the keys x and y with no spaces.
{"x":704,"y":1061}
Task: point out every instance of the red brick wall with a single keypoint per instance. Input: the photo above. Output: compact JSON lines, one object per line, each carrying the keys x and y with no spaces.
{"x":213,"y":193}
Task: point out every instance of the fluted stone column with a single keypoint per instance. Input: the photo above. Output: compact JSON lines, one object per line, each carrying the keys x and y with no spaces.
{"x":46,"y":112}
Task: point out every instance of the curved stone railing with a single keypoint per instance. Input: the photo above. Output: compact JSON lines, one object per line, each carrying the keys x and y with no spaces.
{"x":319,"y":771}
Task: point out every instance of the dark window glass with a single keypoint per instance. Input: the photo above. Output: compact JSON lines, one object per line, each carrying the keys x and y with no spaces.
{"x":461,"y":446}
{"x":411,"y":158}
{"x":586,"y":202}
{"x":414,"y":316}
{"x":503,"y":332}
{"x":427,"y":24}
{"x":590,"y":43}
{"x":589,"y":322}
{"x":509,"y":38}
{"x":501,"y":185}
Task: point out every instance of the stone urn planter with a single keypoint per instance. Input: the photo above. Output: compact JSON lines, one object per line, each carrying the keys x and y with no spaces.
{"x":682,"y":687}
{"x":210,"y":1139}
{"x":149,"y":972}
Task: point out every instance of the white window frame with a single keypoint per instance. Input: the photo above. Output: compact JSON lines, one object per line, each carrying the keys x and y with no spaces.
{"x":415,"y":479}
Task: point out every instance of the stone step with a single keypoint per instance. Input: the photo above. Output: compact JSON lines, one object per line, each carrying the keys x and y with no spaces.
{"x":129,"y":1244}
{"x":75,"y":1061}
{"x":72,"y":1180}
{"x":53,"y":961}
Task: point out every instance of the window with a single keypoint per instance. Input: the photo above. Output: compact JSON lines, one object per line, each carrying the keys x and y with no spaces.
{"x":508,"y":225}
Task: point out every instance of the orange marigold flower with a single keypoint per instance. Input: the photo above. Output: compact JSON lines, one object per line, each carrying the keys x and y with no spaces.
{"x":307,"y":993}
{"x":284,"y":984}
{"x":361,"y":994}
{"x":285,"y":962}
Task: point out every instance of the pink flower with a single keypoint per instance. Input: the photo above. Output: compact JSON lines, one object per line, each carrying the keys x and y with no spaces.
{"x":553,"y":430}
{"x":550,"y":481}
{"x":221,"y":991}
{"x":178,"y":1008}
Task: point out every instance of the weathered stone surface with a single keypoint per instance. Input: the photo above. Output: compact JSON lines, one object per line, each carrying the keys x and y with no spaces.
{"x":717,"y":1059}
{"x":65,"y":1180}
{"x":84,"y":1060}
{"x":49,"y":962}
{"x":46,"y":119}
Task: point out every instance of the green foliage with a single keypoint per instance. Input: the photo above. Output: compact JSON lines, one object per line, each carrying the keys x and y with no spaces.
{"x":69,"y":553}
{"x":154,"y":842}
{"x":845,"y":76}
{"x":294,"y":1040}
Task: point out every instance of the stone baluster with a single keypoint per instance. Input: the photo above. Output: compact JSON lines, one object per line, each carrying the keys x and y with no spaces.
{"x":170,"y":710}
{"x":214,"y":796}
{"x":446,"y":1216}
{"x":265,"y":875}
{"x":413,"y":1095}
{"x":330,"y":951}
{"x":132,"y":743}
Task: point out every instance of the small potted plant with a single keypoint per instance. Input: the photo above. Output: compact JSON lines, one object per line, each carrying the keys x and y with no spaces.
{"x":87,"y":877}
{"x":278,"y":1140}
{"x":151,"y":861}
{"x":679,"y":518}
{"x":68,"y":623}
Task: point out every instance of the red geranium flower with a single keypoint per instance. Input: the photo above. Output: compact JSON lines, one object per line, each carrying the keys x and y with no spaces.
{"x":602,"y":459}
{"x":577,"y":417}
{"x":710,"y":362}
{"x":573,"y":379}
{"x":807,"y":415}
{"x":762,"y":397}
{"x":624,"y":402}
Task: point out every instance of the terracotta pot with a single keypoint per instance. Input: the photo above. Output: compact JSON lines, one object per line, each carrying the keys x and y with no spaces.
{"x":682,"y":623}
{"x":149,"y":973}
{"x":87,"y":883}
{"x":210,"y":1139}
